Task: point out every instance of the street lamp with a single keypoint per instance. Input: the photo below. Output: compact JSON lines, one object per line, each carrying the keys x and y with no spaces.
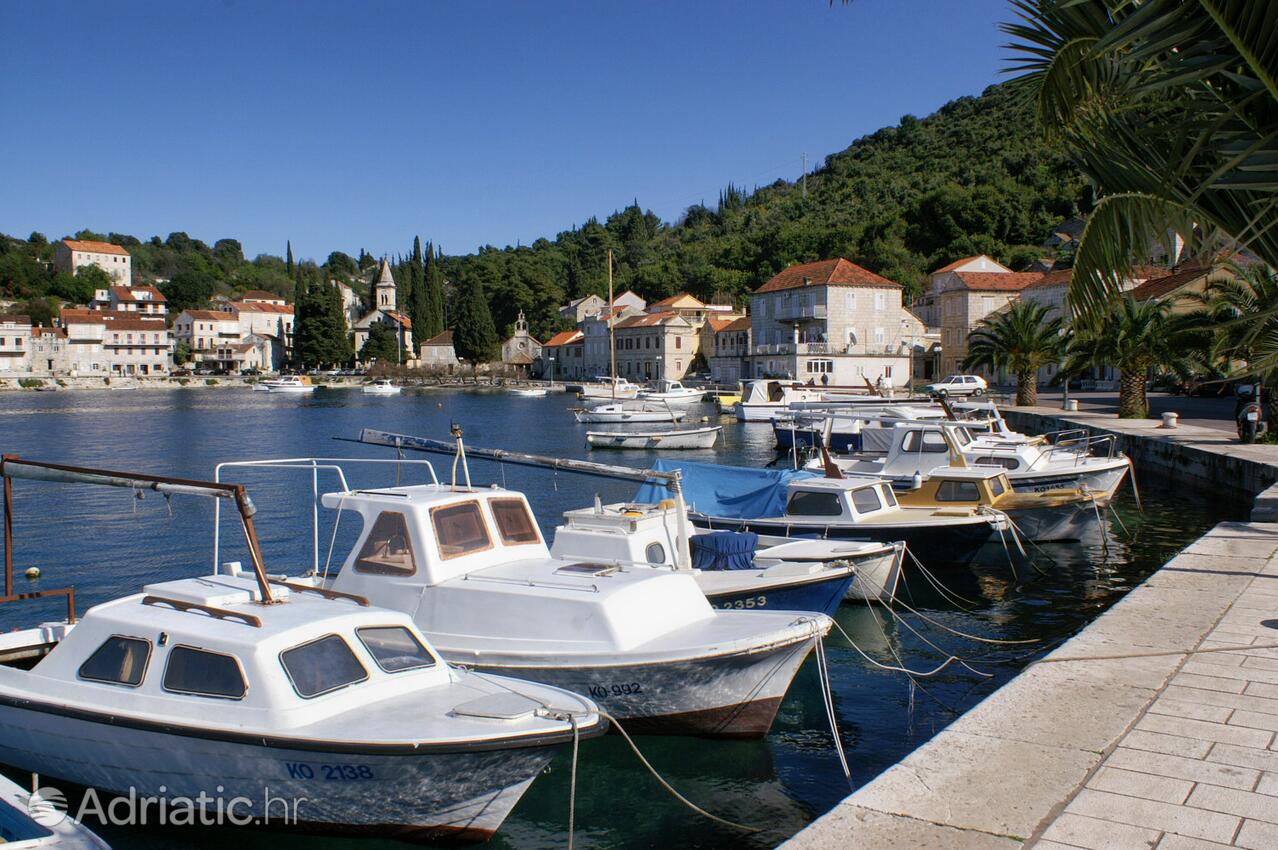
{"x":551,"y":358}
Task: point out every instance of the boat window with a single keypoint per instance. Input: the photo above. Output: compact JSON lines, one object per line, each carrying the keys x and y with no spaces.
{"x":322,"y":666}
{"x":118,"y":661}
{"x":203,"y":673}
{"x":387,"y":551}
{"x":460,"y":530}
{"x":957,"y":491}
{"x":395,"y":648}
{"x":924,"y":441}
{"x":992,"y":460}
{"x":866,"y":499}
{"x":889,"y":497}
{"x":513,"y":522}
{"x":655,"y":553}
{"x":962,"y":436}
{"x":997,"y":486}
{"x":806,"y":503}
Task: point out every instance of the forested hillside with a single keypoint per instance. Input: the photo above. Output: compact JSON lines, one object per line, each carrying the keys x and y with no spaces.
{"x":974,"y":177}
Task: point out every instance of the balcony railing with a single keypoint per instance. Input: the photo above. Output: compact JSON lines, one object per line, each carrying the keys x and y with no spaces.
{"x":800,"y":312}
{"x":831,"y":349}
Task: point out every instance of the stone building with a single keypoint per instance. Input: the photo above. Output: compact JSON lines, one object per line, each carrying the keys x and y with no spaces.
{"x":563,"y":357}
{"x":71,"y":255}
{"x":385,"y":311}
{"x":729,"y":350}
{"x":15,"y":344}
{"x":438,"y":353}
{"x":655,"y":346}
{"x":832,"y":322}
{"x":521,"y":351}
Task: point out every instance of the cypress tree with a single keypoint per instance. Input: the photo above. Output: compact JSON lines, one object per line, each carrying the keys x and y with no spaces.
{"x":433,"y":301}
{"x":288,"y":262}
{"x":474,"y":335}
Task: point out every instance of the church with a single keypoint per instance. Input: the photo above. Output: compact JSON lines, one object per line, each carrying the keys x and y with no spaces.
{"x":385,"y":311}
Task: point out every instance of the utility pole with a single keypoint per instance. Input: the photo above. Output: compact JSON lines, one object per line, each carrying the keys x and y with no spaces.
{"x":805,"y":175}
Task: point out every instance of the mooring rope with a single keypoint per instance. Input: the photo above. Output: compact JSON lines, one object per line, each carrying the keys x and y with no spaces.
{"x":572,"y":781}
{"x":949,"y":595}
{"x":827,"y":697}
{"x":893,"y":669}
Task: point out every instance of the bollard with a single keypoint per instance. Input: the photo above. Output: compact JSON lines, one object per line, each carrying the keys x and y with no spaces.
{"x":1072,"y":404}
{"x":1169,"y":420}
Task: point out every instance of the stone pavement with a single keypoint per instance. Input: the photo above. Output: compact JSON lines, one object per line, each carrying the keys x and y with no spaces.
{"x":1118,"y":739}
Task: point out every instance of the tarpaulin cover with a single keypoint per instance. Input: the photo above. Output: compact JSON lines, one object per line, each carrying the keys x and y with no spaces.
{"x":726,"y":491}
{"x":724,"y":550}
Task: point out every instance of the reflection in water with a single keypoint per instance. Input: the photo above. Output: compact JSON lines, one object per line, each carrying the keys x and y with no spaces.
{"x":107,"y":544}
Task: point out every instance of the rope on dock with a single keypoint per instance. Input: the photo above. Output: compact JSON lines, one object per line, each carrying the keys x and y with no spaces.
{"x":1156,"y":654}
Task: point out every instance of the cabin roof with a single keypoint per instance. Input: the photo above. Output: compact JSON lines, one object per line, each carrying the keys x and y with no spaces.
{"x":967,"y":473}
{"x":834,"y":483}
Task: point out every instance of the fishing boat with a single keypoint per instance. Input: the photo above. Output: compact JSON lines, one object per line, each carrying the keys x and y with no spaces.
{"x":741,"y":571}
{"x":529,"y":392}
{"x":382,"y":386}
{"x":221,"y":687}
{"x":286,"y":384}
{"x":1032,"y":464}
{"x":686,"y":438}
{"x":844,"y":430}
{"x":672,"y":392}
{"x":610,"y":388}
{"x":762,"y":398}
{"x":799,"y":504}
{"x":29,"y":821}
{"x":474,"y":570}
{"x":622,"y":413}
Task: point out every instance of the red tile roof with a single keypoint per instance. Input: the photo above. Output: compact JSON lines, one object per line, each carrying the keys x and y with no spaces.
{"x":564,"y":338}
{"x":998,"y":281}
{"x":838,"y":272}
{"x":403,"y":320}
{"x":15,"y":318}
{"x":741,"y":324}
{"x":262,"y":307}
{"x":445,"y":338}
{"x":647,"y":320}
{"x":678,"y":296}
{"x":954,"y":265}
{"x":133,"y":323}
{"x":82,"y":316}
{"x":127,"y":293}
{"x":1161,"y":287}
{"x":211,"y":315}
{"x":261,"y":295}
{"x":42,"y":331}
{"x":716,"y":324}
{"x":94,"y":247}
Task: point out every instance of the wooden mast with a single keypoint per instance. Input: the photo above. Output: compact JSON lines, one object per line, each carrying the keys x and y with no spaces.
{"x":612,"y":339}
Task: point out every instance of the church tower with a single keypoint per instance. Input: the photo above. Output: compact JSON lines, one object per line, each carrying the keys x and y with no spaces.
{"x":384,"y":289}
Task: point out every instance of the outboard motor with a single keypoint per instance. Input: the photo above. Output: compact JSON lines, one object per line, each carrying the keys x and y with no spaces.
{"x":1249,"y":413}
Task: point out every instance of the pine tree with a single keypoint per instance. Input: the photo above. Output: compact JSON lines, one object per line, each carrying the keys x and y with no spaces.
{"x":474,"y":336}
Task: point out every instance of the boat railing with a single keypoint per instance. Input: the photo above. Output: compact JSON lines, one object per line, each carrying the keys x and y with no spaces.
{"x":529,"y":582}
{"x":314,"y":465}
{"x":1080,"y":449}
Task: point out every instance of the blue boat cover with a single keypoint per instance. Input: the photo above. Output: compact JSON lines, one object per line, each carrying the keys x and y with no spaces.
{"x":726,"y":491}
{"x":724,"y":550}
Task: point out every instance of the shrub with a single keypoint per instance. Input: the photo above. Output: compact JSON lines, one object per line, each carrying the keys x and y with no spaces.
{"x":183,"y":381}
{"x":30,"y":383}
{"x":210,"y":382}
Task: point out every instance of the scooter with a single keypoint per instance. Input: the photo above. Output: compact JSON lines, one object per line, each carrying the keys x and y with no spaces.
{"x":1249,"y":413}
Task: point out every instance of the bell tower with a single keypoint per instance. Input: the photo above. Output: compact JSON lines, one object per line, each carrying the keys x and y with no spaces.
{"x":384,"y":289}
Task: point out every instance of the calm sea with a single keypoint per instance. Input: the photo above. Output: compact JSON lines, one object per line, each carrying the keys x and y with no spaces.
{"x":108,"y":543}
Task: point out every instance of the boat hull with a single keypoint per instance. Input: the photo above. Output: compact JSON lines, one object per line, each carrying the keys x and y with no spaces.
{"x":726,"y":696}
{"x":804,"y":438}
{"x":592,"y":417}
{"x":950,"y":545}
{"x":821,"y":593}
{"x":876,"y":579}
{"x":1101,"y":480}
{"x":700,"y":438}
{"x":1060,"y":523}
{"x":422,"y":796}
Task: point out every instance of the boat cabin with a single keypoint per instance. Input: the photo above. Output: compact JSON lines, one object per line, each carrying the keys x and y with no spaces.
{"x":952,"y":485}
{"x":194,"y":647}
{"x":838,"y":499}
{"x":472,"y":561}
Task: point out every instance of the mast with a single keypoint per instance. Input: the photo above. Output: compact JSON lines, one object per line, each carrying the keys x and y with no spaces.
{"x":612,"y":339}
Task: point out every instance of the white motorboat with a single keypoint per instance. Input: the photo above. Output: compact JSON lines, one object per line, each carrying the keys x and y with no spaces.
{"x":762,"y":398}
{"x":529,"y":392}
{"x":605,"y":387}
{"x":686,"y":438}
{"x":672,"y":392}
{"x":282,"y":704}
{"x":286,"y":384}
{"x":1032,"y":464}
{"x":735,"y":570}
{"x":382,"y":386}
{"x":471,"y":567}
{"x":30,"y":821}
{"x":622,"y":413}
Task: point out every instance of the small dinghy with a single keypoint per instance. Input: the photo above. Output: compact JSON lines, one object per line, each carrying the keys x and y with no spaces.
{"x":297,"y":384}
{"x":673,"y":392}
{"x":686,"y":438}
{"x":529,"y":392}
{"x":382,"y":386}
{"x":620,"y":413}
{"x":219,"y":688}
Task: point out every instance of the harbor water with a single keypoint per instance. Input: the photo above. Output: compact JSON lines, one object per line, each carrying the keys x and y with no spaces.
{"x":108,"y":543}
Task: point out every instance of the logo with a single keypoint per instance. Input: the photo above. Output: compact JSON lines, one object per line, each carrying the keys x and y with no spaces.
{"x":47,"y":806}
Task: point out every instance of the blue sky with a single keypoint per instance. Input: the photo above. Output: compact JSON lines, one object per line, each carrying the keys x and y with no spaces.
{"x":349,"y":125}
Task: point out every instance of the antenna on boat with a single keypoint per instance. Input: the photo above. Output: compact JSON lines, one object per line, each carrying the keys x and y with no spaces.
{"x":456,"y":431}
{"x":949,"y":411}
{"x":12,"y":466}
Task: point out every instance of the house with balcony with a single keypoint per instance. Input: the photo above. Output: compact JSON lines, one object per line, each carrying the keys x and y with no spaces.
{"x":728,"y":349}
{"x":205,"y":332}
{"x":15,"y":344}
{"x":563,"y":357}
{"x":656,"y":346}
{"x":145,"y":300}
{"x":832,"y":322}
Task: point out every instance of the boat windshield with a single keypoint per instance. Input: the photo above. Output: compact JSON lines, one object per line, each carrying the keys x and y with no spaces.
{"x":998,"y":485}
{"x":889,"y":497}
{"x":866,"y":500}
{"x":808,"y":503}
{"x":322,"y":666}
{"x":387,"y":551}
{"x":514,"y":524}
{"x":395,"y":648}
{"x":924,"y":441}
{"x":460,"y":530}
{"x":957,"y":491}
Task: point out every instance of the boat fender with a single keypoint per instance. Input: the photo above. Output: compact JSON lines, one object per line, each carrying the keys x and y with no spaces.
{"x":666,"y":504}
{"x":916,"y":482}
{"x":33,"y":572}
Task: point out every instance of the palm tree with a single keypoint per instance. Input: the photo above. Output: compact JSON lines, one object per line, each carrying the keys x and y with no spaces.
{"x":1241,"y":315}
{"x":1020,"y":340}
{"x":1170,"y":107}
{"x":1134,"y":337}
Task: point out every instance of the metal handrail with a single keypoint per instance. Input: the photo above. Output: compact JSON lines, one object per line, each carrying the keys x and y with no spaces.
{"x":314,"y":464}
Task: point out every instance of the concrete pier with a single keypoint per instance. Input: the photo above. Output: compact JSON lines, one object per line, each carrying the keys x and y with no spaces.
{"x":1154,"y":727}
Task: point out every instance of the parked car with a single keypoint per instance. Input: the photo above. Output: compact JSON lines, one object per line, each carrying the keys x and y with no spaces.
{"x":250,"y":373}
{"x":973,"y":385}
{"x":181,"y":373}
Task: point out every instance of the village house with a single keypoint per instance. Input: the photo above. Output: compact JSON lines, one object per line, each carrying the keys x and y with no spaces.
{"x":832,"y":322}
{"x":594,"y":330}
{"x":261,"y":296}
{"x":655,"y":346}
{"x":116,"y":343}
{"x":728,"y":350}
{"x":50,"y":352}
{"x":386,"y":312}
{"x":71,"y":255}
{"x":272,"y":323}
{"x":438,"y":354}
{"x":15,"y":344}
{"x":563,"y":357}
{"x":589,"y":306}
{"x":144,"y":300}
{"x":521,"y":351}
{"x":204,"y":332}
